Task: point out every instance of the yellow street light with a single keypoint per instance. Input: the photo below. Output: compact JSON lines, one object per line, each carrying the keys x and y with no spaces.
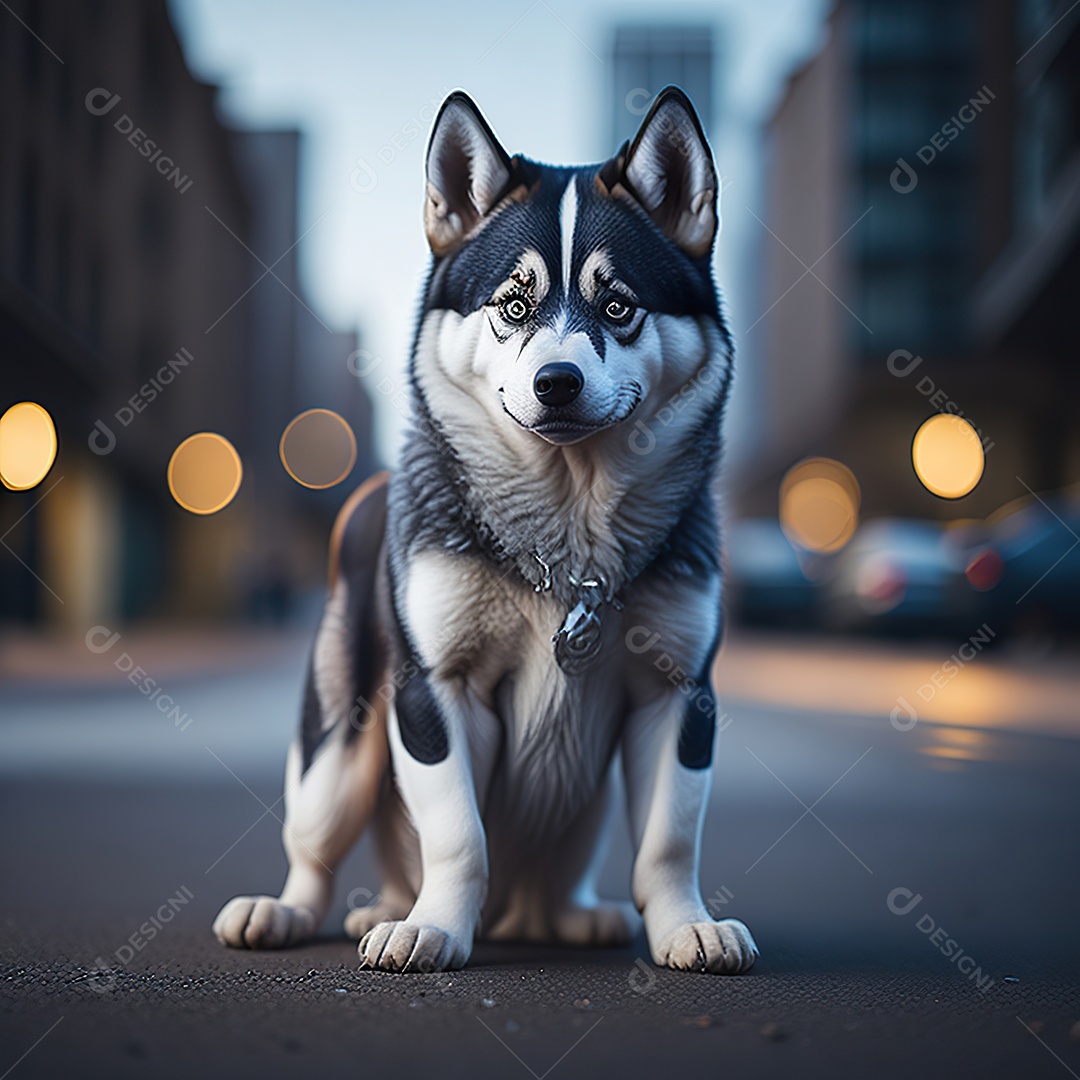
{"x":27,"y":446}
{"x":948,"y":456}
{"x":205,"y":473}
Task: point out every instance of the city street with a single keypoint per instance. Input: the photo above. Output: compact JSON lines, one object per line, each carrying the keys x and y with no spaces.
{"x":253,"y":255}
{"x":912,"y":885}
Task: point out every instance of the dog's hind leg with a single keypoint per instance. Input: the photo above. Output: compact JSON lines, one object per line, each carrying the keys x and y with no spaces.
{"x":553,"y":897}
{"x":579,"y":916}
{"x":335,"y":768}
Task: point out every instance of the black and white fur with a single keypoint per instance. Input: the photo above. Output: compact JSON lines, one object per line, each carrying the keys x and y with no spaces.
{"x":435,"y":706}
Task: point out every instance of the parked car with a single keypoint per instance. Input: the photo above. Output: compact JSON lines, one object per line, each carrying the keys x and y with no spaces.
{"x":1018,"y":572}
{"x":902,"y":576}
{"x":1027,"y":566}
{"x":768,"y":582}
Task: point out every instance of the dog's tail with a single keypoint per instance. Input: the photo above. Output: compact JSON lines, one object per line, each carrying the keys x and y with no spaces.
{"x":349,"y":656}
{"x":337,"y":764}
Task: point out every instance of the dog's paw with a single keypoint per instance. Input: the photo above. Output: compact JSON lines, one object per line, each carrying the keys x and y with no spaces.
{"x":721,"y":948}
{"x":603,"y":925}
{"x":263,"y":922}
{"x":360,"y":920}
{"x":406,"y":947}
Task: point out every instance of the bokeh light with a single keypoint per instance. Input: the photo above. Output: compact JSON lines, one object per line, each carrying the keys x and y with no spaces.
{"x":819,"y":504}
{"x":318,"y":448}
{"x":948,"y":456}
{"x":27,"y":446}
{"x":205,"y":473}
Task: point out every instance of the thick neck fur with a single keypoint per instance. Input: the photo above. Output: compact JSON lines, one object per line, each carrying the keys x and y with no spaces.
{"x":601,"y":508}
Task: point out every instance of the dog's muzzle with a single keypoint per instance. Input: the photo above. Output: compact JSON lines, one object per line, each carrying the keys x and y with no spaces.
{"x":561,"y":419}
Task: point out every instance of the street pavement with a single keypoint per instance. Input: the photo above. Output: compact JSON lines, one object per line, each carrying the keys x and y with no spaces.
{"x":912,"y":884}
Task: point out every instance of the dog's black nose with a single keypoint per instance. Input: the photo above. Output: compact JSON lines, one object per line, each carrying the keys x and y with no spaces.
{"x":558,"y":384}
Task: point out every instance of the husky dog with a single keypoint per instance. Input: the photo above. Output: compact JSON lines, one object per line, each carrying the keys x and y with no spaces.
{"x":534,"y":594}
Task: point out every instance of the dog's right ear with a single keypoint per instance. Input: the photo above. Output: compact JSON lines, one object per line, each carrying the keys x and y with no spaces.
{"x":668,"y":171}
{"x":467,"y":173}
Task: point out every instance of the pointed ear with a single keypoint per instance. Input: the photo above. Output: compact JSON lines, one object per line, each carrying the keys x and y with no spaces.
{"x":668,"y":169}
{"x":467,"y":172}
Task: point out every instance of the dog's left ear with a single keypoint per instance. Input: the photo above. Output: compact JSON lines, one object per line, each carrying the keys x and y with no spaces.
{"x":668,"y":169}
{"x":467,"y":173}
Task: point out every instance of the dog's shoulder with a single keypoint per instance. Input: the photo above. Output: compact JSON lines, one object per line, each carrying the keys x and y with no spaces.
{"x":691,"y":551}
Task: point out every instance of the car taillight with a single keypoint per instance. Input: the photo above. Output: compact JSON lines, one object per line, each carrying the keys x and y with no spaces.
{"x":984,"y":570}
{"x":880,"y":584}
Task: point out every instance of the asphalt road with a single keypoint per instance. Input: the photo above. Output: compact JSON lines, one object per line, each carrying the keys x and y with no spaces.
{"x":110,"y":811}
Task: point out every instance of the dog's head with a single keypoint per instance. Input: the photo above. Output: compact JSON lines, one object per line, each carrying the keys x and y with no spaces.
{"x":561,"y":299}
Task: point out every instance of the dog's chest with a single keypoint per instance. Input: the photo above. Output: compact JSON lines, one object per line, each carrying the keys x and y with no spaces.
{"x":558,"y":735}
{"x":495,"y":633}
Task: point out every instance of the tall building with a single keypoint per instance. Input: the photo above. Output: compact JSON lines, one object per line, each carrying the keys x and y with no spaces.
{"x":645,"y":58}
{"x":1024,"y":298}
{"x":129,"y":309}
{"x":295,"y":362}
{"x":913,"y":67}
{"x":899,"y":180}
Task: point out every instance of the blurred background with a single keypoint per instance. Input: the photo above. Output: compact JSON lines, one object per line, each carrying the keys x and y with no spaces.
{"x":211,"y":223}
{"x":211,"y":251}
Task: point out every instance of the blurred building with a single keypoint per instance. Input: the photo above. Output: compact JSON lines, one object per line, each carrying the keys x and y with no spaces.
{"x":922,"y":237}
{"x":134,"y":228}
{"x":1029,"y":205}
{"x":645,"y":58}
{"x":295,"y":361}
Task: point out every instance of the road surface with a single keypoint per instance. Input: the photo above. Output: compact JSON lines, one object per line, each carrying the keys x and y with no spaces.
{"x":913,"y":887}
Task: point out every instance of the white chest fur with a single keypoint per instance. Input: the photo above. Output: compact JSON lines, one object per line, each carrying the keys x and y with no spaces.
{"x":494,"y":634}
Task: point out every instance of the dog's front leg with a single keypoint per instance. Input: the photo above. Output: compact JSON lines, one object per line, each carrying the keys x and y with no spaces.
{"x":667,"y":754}
{"x":439,"y":774}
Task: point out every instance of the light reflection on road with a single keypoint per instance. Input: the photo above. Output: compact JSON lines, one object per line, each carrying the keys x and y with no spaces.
{"x":992,"y":692}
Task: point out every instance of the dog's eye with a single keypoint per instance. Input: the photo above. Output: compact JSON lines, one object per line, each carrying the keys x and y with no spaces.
{"x":515,"y":309}
{"x":618,"y":311}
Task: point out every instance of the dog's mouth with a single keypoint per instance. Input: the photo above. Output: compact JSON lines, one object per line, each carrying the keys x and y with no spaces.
{"x":564,"y":431}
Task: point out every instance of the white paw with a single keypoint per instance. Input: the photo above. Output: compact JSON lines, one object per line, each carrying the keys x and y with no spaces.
{"x":360,"y":920}
{"x":263,"y":922}
{"x":721,"y":948}
{"x":404,"y":946}
{"x":605,"y":924}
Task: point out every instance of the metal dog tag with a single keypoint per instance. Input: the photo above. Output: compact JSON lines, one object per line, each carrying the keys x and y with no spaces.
{"x":577,"y":644}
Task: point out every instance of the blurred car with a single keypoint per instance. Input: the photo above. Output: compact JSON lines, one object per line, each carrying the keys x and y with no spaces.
{"x":768,"y":582}
{"x":902,"y":576}
{"x":1026,"y":563}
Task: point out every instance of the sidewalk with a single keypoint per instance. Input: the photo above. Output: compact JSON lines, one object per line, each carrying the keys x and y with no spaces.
{"x":41,"y":661}
{"x":993,"y":690}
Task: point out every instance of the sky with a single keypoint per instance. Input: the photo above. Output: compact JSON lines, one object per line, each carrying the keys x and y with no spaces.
{"x":363,"y":80}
